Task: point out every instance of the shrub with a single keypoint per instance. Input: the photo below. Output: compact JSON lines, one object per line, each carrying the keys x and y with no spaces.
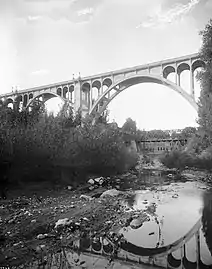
{"x":177,"y":159}
{"x":37,"y":149}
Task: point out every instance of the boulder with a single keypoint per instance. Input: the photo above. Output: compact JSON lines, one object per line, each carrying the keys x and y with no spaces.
{"x":42,"y":236}
{"x":98,"y":179}
{"x":189,"y":176}
{"x":91,"y":181}
{"x":112,"y":192}
{"x":86,"y":197}
{"x":62,"y":223}
{"x":136,"y":223}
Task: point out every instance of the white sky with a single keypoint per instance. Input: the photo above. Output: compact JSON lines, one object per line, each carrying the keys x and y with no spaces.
{"x":46,"y":41}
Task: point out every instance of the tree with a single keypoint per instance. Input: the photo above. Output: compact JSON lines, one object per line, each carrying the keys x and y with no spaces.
{"x":188,"y":132}
{"x":205,"y":79}
{"x":129,"y":126}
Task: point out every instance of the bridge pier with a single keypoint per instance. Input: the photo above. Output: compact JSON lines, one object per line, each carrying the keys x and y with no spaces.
{"x":192,"y":83}
{"x":77,"y":97}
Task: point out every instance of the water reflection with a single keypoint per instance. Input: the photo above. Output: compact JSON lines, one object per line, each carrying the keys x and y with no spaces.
{"x":207,"y":218}
{"x":173,"y":209}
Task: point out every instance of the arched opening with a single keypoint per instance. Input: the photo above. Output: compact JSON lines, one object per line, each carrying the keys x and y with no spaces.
{"x":59,"y":91}
{"x":52,"y":102}
{"x":159,"y":101}
{"x":30,"y":95}
{"x":197,"y":67}
{"x":9,"y":103}
{"x":96,"y":87}
{"x":183,"y":72}
{"x":169,"y":73}
{"x":65,"y":91}
{"x":107,"y":82}
{"x":85,"y":89}
{"x":70,"y":94}
{"x":18,"y":102}
{"x":25,"y":101}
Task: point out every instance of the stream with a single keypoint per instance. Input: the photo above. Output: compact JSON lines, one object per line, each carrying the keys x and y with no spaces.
{"x":173,"y":208}
{"x":172,"y":205}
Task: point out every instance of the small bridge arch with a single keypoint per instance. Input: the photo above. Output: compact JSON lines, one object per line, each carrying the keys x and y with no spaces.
{"x":46,"y":96}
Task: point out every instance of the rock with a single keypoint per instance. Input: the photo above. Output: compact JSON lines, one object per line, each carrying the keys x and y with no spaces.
{"x":98,"y":179}
{"x":136,"y":223}
{"x":189,"y":176}
{"x":40,"y":248}
{"x":175,"y":195}
{"x":170,"y":175}
{"x":101,"y":182}
{"x":62,"y":222}
{"x":33,"y":220}
{"x":69,"y":188}
{"x":16,"y":244}
{"x":118,"y":180}
{"x":91,"y":188}
{"x":86,"y":197}
{"x":42,"y":236}
{"x":112,"y":192}
{"x":91,"y":181}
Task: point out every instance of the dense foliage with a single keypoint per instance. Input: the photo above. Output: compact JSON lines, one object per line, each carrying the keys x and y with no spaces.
{"x":205,"y":79}
{"x":39,"y":146}
{"x":182,"y":159}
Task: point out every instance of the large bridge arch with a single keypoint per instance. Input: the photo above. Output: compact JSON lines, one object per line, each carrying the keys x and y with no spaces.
{"x":103,"y":101}
{"x":47,"y":95}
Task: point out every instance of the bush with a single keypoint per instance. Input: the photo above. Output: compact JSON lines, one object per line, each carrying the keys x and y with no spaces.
{"x":177,"y":159}
{"x":38,"y":149}
{"x":181,"y":159}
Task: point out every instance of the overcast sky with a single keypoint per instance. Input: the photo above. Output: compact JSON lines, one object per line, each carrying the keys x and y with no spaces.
{"x":46,"y":41}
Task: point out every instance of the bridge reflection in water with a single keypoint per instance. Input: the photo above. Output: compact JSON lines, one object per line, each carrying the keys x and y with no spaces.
{"x":114,"y":251}
{"x":100,"y":252}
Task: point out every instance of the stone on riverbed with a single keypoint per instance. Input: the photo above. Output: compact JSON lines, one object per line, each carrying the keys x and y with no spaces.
{"x":112,"y":192}
{"x":62,"y":223}
{"x":138,"y":222}
{"x":189,"y":176}
{"x":91,"y":181}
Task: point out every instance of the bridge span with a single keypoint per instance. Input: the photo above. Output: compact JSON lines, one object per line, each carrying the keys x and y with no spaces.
{"x":92,"y":94}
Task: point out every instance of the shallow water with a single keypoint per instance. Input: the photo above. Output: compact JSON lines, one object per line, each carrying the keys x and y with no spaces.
{"x":173,"y":209}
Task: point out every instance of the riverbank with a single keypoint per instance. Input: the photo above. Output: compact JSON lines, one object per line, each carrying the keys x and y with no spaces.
{"x":29,"y":226}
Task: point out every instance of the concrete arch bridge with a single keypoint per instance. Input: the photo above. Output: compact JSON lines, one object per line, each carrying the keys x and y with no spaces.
{"x":92,"y":94}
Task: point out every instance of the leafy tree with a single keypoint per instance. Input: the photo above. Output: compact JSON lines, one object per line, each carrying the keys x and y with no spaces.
{"x":188,"y":132}
{"x":129,"y":126}
{"x":205,"y":79}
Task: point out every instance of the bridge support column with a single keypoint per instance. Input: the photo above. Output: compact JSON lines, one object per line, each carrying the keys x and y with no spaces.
{"x":91,"y":98}
{"x":192,"y":82}
{"x":177,"y":78}
{"x":77,"y":95}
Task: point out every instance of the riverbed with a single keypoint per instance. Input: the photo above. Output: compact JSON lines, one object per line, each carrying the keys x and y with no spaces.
{"x":167,"y":204}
